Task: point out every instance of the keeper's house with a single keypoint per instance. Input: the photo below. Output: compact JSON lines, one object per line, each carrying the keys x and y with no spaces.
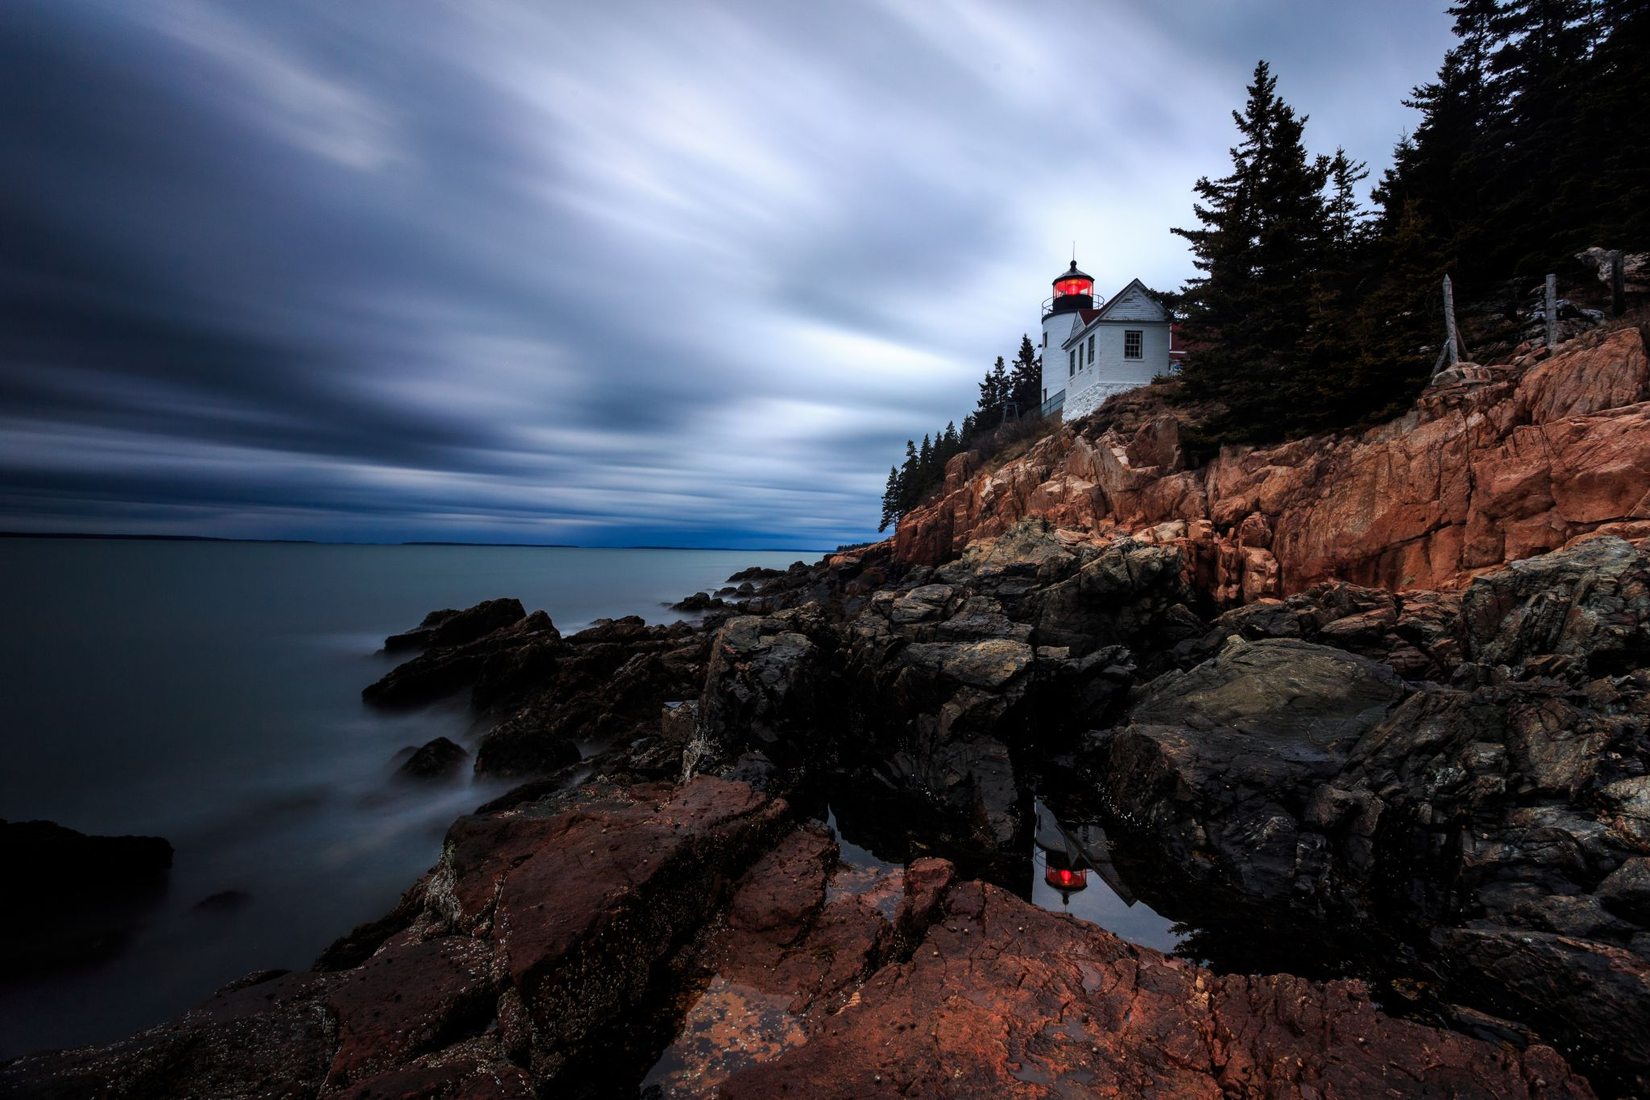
{"x":1093,"y":349}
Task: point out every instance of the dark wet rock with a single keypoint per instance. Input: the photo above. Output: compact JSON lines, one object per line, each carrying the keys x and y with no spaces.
{"x":1418,"y":634}
{"x":1219,"y":762}
{"x":441,"y":758}
{"x":268,"y":1039}
{"x":76,"y":897}
{"x":609,"y":686}
{"x":755,"y":573}
{"x":445,"y":670}
{"x":1502,"y":813}
{"x":521,"y":748}
{"x":700,"y":602}
{"x":540,"y":694}
{"x":1626,"y":891}
{"x":450,"y":627}
{"x":765,"y":687}
{"x":1563,"y":986}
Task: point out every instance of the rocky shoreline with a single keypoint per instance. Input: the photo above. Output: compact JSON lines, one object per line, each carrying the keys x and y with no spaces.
{"x":1429,"y":806}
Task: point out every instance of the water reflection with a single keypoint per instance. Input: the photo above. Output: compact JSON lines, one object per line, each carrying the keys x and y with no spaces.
{"x":1072,"y":872}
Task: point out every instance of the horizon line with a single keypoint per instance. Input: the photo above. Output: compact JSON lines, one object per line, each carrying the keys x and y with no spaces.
{"x":131,"y":537}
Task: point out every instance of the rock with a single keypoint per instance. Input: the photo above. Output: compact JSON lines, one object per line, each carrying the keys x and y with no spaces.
{"x":1627,"y":890}
{"x":444,"y":670}
{"x":516,"y":748}
{"x":755,"y":573}
{"x":699,"y":602}
{"x":270,"y":1038}
{"x":450,"y":627}
{"x":1570,"y":988}
{"x":1217,"y":762}
{"x":408,"y":1000}
{"x":1000,"y":999}
{"x":438,"y":759}
{"x":77,"y":897}
{"x":525,"y":959}
{"x":1553,"y":452}
{"x":557,"y":944}
{"x":764,"y":687}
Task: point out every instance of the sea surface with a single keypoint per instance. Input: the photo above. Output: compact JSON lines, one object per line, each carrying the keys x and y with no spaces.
{"x":209,"y":692}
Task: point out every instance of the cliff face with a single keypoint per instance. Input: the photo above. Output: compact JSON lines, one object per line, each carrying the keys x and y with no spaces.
{"x":1494,"y":464}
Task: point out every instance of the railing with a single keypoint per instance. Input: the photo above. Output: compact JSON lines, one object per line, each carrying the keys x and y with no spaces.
{"x":1053,"y":404}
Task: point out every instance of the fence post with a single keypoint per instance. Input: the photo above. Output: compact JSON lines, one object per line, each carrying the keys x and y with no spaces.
{"x":1617,"y":280}
{"x":1551,"y":312}
{"x":1452,"y":340}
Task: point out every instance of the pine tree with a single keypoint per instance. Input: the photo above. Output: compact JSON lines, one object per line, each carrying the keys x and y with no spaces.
{"x":890,"y":501}
{"x":1026,"y":378}
{"x":1399,"y":325}
{"x":925,"y":465}
{"x":1259,"y":250}
{"x":909,"y":488}
{"x":1540,"y":68}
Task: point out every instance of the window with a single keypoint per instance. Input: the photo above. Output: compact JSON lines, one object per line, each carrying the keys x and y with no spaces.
{"x":1071,"y":362}
{"x":1132,"y":339}
{"x":1045,"y":395}
{"x":1045,"y":339}
{"x":1091,"y":349}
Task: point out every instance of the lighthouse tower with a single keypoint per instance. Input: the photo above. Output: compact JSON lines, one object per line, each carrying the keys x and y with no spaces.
{"x":1070,"y":309}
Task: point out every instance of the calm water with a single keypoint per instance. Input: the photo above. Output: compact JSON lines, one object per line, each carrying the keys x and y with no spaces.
{"x":210,"y":693}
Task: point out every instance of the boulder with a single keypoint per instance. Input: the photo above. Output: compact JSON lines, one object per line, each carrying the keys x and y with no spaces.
{"x":1218,"y":762}
{"x":450,"y":627}
{"x":438,"y":759}
{"x":76,"y":897}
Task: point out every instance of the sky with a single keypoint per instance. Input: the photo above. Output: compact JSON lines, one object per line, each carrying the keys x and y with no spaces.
{"x":604,"y":274}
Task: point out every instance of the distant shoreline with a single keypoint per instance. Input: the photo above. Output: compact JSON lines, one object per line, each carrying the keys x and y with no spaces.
{"x":85,"y":536}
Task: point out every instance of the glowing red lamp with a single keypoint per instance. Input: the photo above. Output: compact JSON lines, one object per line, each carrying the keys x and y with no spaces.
{"x":1066,"y":879}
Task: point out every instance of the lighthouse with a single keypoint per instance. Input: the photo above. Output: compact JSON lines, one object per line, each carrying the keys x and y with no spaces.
{"x":1071,"y":307}
{"x":1094,"y":348}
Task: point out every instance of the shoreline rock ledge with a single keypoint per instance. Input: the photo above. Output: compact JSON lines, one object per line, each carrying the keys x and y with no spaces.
{"x":559,"y":944}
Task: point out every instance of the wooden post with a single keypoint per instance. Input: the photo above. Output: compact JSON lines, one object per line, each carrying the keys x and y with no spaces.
{"x":1617,"y":288}
{"x":1452,"y":340}
{"x":1551,"y":312}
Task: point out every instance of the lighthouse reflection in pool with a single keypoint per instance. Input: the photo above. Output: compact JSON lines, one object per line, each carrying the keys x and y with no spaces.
{"x":1072,"y":872}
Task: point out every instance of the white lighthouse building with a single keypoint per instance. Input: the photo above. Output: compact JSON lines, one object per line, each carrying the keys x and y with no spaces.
{"x":1094,"y":348}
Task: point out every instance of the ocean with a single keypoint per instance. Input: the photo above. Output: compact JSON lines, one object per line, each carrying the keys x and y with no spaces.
{"x":209,"y":692}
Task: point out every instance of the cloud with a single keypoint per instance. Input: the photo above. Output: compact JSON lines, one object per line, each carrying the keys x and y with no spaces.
{"x":606,"y":274}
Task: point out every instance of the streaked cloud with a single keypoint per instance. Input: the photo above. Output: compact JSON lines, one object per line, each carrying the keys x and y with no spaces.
{"x":619,"y":273}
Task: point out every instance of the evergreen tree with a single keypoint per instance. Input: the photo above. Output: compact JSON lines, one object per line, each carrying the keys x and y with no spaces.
{"x":1541,"y":63}
{"x":1398,"y":327}
{"x":909,"y":488}
{"x":925,"y":466}
{"x":1259,"y":249}
{"x":1026,"y":378}
{"x":890,"y":501}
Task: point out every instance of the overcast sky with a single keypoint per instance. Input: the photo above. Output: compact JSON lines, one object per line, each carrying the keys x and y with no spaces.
{"x":608,"y":274}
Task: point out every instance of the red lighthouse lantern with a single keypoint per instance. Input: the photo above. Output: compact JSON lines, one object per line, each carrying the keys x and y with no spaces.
{"x":1059,"y":873}
{"x":1073,"y":290}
